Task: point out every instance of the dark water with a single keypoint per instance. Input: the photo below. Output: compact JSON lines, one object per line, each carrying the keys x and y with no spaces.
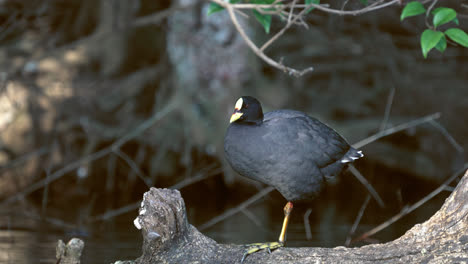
{"x":27,"y":240}
{"x":24,"y":240}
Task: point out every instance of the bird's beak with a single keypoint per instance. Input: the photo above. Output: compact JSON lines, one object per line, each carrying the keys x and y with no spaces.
{"x":236,"y":115}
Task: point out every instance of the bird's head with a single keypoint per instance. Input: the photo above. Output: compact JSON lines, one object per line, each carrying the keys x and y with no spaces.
{"x":247,"y":110}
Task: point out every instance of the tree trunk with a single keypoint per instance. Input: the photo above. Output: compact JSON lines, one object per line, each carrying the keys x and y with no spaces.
{"x":169,"y":238}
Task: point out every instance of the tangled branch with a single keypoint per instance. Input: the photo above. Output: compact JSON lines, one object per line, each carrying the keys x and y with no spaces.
{"x":287,"y":10}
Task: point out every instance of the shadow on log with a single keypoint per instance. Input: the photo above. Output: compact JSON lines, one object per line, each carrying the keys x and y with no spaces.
{"x":169,"y":238}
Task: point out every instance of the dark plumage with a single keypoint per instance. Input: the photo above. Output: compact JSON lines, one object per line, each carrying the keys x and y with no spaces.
{"x":286,"y":149}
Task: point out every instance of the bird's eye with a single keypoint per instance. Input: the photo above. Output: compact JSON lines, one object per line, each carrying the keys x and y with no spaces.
{"x":246,"y":106}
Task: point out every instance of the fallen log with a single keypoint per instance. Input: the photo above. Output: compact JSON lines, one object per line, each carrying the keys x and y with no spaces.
{"x":169,"y":238}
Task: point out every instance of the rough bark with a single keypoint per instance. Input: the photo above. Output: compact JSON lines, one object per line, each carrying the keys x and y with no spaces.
{"x":69,"y":253}
{"x":169,"y":238}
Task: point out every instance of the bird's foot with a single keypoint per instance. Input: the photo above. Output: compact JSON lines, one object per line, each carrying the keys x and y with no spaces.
{"x":252,"y":248}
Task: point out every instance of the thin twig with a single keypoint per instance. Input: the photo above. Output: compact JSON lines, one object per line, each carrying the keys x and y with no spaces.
{"x":236,"y":209}
{"x":20,"y":160}
{"x":291,"y":12}
{"x":307,"y":224}
{"x":344,"y":4}
{"x":50,"y":220}
{"x":197,"y":178}
{"x":407,"y":210}
{"x":388,"y":108}
{"x":113,"y":213}
{"x":357,"y":220}
{"x":251,"y":216}
{"x":448,"y":136}
{"x":281,"y":32}
{"x":366,"y":184}
{"x":395,"y":129}
{"x":431,"y":6}
{"x":158,"y":17}
{"x":130,"y":207}
{"x":133,"y":166}
{"x":319,"y":7}
{"x":45,"y":194}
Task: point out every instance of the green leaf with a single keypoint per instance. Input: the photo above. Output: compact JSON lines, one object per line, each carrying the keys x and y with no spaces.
{"x":443,"y":15}
{"x":307,"y":2}
{"x":213,"y":8}
{"x":364,"y":2}
{"x":412,"y":9}
{"x":433,"y":12}
{"x":429,"y":39}
{"x":458,"y":35}
{"x":442,"y":44}
{"x":265,"y":20}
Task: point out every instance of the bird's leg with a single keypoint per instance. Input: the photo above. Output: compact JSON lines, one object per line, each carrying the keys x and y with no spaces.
{"x":252,"y":248}
{"x":287,"y":212}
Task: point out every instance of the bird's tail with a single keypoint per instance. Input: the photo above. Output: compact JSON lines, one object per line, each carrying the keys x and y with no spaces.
{"x":352,"y":155}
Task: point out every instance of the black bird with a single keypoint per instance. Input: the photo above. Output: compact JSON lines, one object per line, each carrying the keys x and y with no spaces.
{"x":289,"y":150}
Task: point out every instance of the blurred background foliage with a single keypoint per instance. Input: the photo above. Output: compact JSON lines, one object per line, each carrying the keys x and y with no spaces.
{"x":78,"y":76}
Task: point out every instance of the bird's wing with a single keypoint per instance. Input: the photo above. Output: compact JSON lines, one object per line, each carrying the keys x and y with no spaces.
{"x":300,"y":133}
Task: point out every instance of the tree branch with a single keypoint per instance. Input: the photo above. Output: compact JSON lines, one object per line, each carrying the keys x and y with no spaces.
{"x":169,"y":238}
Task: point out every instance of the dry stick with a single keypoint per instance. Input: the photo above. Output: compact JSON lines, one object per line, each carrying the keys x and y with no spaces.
{"x":252,"y":217}
{"x":381,"y":134}
{"x":449,"y":188}
{"x":291,"y":11}
{"x":307,"y":224}
{"x":448,"y":136}
{"x":133,"y":166}
{"x":192,"y":180}
{"x":53,"y":221}
{"x":395,"y":129}
{"x":357,"y":221}
{"x":45,"y":194}
{"x":94,"y":156}
{"x":56,"y":175}
{"x":141,"y":21}
{"x":113,"y":213}
{"x":388,"y":108}
{"x":411,"y":208}
{"x":158,"y":17}
{"x":111,"y":172}
{"x":130,"y":207}
{"x":368,"y":186}
{"x":428,"y":11}
{"x":353,"y":169}
{"x":20,"y":160}
{"x":236,"y":209}
{"x":344,"y":4}
{"x":281,"y":32}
